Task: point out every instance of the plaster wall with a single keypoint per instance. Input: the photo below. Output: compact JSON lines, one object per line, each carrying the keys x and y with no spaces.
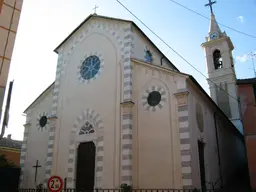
{"x":156,"y":137}
{"x":36,"y":144}
{"x":229,"y":142}
{"x":207,"y":135}
{"x":102,"y":95}
{"x":141,"y":44}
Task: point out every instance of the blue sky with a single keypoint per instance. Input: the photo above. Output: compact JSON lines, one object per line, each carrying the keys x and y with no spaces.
{"x":45,"y":23}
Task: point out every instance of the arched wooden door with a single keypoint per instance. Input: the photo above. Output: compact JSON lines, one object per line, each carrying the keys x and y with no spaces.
{"x":85,"y":169}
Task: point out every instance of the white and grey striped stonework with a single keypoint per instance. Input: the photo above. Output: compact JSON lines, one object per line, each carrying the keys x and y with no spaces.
{"x":55,"y":95}
{"x":127,"y":48}
{"x":23,"y":153}
{"x":94,"y":119}
{"x":74,"y":41}
{"x":144,"y":98}
{"x":126,"y":163}
{"x":86,"y":81}
{"x":185,"y":147}
{"x":127,"y":149}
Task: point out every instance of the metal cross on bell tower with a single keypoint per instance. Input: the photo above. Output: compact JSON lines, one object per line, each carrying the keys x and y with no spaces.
{"x":210,"y":5}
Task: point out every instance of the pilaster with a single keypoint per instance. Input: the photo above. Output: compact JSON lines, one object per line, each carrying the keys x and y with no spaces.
{"x":52,"y":149}
{"x":126,"y":140}
{"x":185,"y":144}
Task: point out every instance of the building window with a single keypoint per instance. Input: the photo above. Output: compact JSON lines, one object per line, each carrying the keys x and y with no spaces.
{"x":90,"y":67}
{"x":148,"y":56}
{"x":87,"y":128}
{"x":154,"y":98}
{"x":217,"y":59}
{"x":254,"y":91}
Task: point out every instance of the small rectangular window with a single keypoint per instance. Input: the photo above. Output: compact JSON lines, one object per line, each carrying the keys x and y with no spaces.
{"x":254,"y":91}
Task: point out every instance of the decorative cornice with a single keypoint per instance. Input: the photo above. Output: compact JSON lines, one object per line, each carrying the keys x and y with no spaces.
{"x":27,"y":124}
{"x":181,"y":92}
{"x":127,"y":104}
{"x":54,"y":117}
{"x":213,"y":42}
{"x":182,"y":97}
{"x":156,"y":67}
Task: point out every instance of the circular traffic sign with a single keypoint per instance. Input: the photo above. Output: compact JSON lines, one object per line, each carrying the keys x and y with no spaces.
{"x":55,"y":184}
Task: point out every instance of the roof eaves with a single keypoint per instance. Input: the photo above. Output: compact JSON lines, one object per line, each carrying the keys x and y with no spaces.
{"x":246,"y":81}
{"x":157,"y":66}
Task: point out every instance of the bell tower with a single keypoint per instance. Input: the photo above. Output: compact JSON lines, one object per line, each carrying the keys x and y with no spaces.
{"x":221,"y":73}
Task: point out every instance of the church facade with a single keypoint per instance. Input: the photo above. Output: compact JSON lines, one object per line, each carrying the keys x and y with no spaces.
{"x":120,"y":112}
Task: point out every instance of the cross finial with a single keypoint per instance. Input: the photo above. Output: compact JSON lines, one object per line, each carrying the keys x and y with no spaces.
{"x":95,"y":9}
{"x":210,"y":5}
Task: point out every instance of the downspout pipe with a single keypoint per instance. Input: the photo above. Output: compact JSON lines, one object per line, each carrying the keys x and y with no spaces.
{"x":218,"y":149}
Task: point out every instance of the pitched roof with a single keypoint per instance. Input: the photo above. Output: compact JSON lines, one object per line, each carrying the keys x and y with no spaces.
{"x":246,"y":81}
{"x":115,"y":19}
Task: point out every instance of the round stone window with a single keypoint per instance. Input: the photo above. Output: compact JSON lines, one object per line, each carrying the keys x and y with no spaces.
{"x":90,"y":67}
{"x":43,"y":121}
{"x":154,"y":98}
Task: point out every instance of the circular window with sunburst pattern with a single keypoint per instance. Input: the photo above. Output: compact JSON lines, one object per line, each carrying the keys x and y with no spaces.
{"x":90,"y":67}
{"x":153,"y":98}
{"x":42,"y":122}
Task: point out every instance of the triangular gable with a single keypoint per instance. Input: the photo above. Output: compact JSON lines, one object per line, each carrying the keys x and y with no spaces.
{"x":120,"y":20}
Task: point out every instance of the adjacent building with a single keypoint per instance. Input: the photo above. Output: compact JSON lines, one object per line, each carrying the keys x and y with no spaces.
{"x":247,"y":94}
{"x":11,"y":150}
{"x":9,"y":19}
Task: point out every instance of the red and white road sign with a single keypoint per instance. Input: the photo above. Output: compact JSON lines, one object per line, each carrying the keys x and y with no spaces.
{"x":55,"y":184}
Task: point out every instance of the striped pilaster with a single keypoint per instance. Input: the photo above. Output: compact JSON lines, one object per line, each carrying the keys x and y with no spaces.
{"x":99,"y":161}
{"x":53,"y":116}
{"x":185,"y":144}
{"x":50,"y":149}
{"x":126,"y":133}
{"x":126,"y":169}
{"x":23,"y":153}
{"x":127,"y":48}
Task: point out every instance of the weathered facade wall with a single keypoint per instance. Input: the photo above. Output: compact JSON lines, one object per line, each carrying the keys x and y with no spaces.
{"x":156,"y":138}
{"x":248,"y":112}
{"x":220,"y":137}
{"x":35,"y":141}
{"x":12,"y":155}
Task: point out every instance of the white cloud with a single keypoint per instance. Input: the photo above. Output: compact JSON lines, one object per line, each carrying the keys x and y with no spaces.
{"x":242,"y":58}
{"x":241,"y":19}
